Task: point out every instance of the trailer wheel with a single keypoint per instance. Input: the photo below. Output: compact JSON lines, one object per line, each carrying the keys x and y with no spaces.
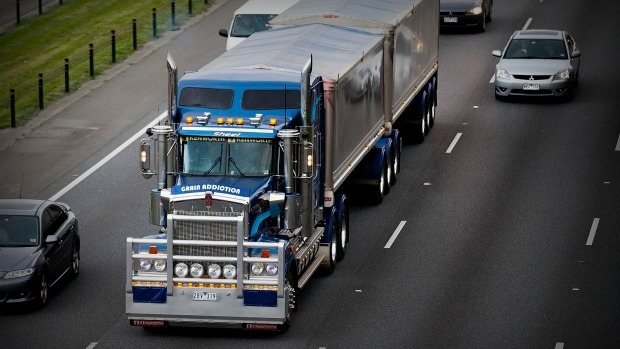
{"x":397,"y":146}
{"x":420,"y":117}
{"x":433,"y":103}
{"x":378,"y":190}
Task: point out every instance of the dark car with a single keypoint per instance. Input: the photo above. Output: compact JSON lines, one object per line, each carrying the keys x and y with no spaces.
{"x":39,"y":244}
{"x":465,"y":14}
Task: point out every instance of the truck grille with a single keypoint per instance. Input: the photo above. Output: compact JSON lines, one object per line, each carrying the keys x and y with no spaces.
{"x":210,"y":231}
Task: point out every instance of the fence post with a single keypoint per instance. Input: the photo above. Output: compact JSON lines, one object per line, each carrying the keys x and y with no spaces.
{"x":173,"y":14}
{"x":154,"y":22}
{"x":12,"y":101}
{"x":113,"y":46}
{"x":91,"y":56}
{"x":41,"y":91}
{"x":189,"y":7}
{"x":17,"y":10}
{"x":67,"y":75}
{"x":135,"y":34}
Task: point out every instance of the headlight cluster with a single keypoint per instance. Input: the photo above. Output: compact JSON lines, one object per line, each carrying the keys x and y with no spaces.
{"x":475,"y":11}
{"x":196,"y":270}
{"x":19,"y":273}
{"x":502,"y":74}
{"x":270,"y":269}
{"x":150,"y":264}
{"x":562,"y":74}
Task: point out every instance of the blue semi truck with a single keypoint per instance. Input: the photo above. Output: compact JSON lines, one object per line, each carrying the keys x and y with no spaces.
{"x":252,"y":166}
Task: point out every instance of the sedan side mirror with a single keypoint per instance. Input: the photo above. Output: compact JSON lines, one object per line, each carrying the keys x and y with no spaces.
{"x":497,"y":53}
{"x":51,"y":239}
{"x":575,"y":54}
{"x":224,"y":33}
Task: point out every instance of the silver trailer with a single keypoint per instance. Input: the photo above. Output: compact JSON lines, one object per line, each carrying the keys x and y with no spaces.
{"x":411,"y":32}
{"x":350,"y":63}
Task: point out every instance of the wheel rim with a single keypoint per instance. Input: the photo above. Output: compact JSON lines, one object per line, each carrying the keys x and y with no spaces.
{"x":44,"y":289}
{"x":75,"y":262}
{"x":343,"y":231}
{"x":333,"y":248}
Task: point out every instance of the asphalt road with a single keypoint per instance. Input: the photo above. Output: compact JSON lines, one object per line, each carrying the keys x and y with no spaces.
{"x":510,"y":209}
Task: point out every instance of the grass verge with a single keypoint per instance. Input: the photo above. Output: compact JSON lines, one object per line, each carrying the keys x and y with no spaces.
{"x":40,"y":45}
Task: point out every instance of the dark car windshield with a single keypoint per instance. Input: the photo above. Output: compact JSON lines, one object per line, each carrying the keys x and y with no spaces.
{"x":536,"y":49}
{"x":19,"y":230}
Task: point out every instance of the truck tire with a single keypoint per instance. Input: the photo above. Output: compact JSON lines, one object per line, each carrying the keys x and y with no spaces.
{"x":343,"y":224}
{"x":333,"y":247}
{"x":378,"y":191}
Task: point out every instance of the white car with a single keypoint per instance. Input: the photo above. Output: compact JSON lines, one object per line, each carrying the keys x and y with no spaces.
{"x":537,"y":62}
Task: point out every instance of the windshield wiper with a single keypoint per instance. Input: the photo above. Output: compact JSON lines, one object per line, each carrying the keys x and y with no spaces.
{"x":217,"y":161}
{"x":230,"y":160}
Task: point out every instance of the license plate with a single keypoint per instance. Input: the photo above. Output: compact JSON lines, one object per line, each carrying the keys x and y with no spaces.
{"x":450,"y":19}
{"x":531,"y":86}
{"x":205,"y":296}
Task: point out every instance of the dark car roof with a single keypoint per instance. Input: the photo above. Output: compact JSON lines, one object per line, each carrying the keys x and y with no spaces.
{"x":22,"y":207}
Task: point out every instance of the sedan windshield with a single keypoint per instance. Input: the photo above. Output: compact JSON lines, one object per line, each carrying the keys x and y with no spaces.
{"x":536,"y":49}
{"x":227,"y":156}
{"x":19,"y":230}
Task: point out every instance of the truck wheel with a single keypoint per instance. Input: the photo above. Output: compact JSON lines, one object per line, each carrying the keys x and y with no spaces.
{"x":333,"y":247}
{"x":291,"y":279}
{"x":344,"y":233}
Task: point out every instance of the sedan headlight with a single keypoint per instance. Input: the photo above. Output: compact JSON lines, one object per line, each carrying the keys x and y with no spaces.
{"x":181,"y":270}
{"x":502,"y":74}
{"x":19,"y":273}
{"x":562,"y":74}
{"x":475,"y":11}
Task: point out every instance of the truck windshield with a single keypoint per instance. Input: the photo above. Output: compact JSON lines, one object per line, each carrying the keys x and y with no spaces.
{"x":244,"y":157}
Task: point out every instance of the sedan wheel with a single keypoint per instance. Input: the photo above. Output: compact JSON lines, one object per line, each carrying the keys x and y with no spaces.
{"x":43,"y":290}
{"x":75,"y":261}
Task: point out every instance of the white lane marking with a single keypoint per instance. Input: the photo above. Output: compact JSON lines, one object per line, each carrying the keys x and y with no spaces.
{"x":592,"y":231}
{"x":395,"y":234}
{"x":559,"y":345}
{"x":527,"y":24}
{"x":618,"y":144}
{"x":91,"y":345}
{"x":107,"y":158}
{"x":453,"y":144}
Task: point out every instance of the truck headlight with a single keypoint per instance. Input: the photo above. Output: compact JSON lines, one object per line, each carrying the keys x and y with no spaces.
{"x":196,"y":270}
{"x":159,"y":265}
{"x":230,"y":271}
{"x":215,"y":271}
{"x":146,"y":264}
{"x":258,"y":268}
{"x":181,"y":270}
{"x":272,"y":269}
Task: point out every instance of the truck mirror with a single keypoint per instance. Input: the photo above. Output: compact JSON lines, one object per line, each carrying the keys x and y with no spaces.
{"x":145,"y":160}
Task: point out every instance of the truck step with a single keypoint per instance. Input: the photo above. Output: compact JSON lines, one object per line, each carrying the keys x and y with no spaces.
{"x":310,"y":270}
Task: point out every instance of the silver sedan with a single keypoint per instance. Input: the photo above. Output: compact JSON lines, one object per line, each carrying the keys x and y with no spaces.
{"x":537,"y":62}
